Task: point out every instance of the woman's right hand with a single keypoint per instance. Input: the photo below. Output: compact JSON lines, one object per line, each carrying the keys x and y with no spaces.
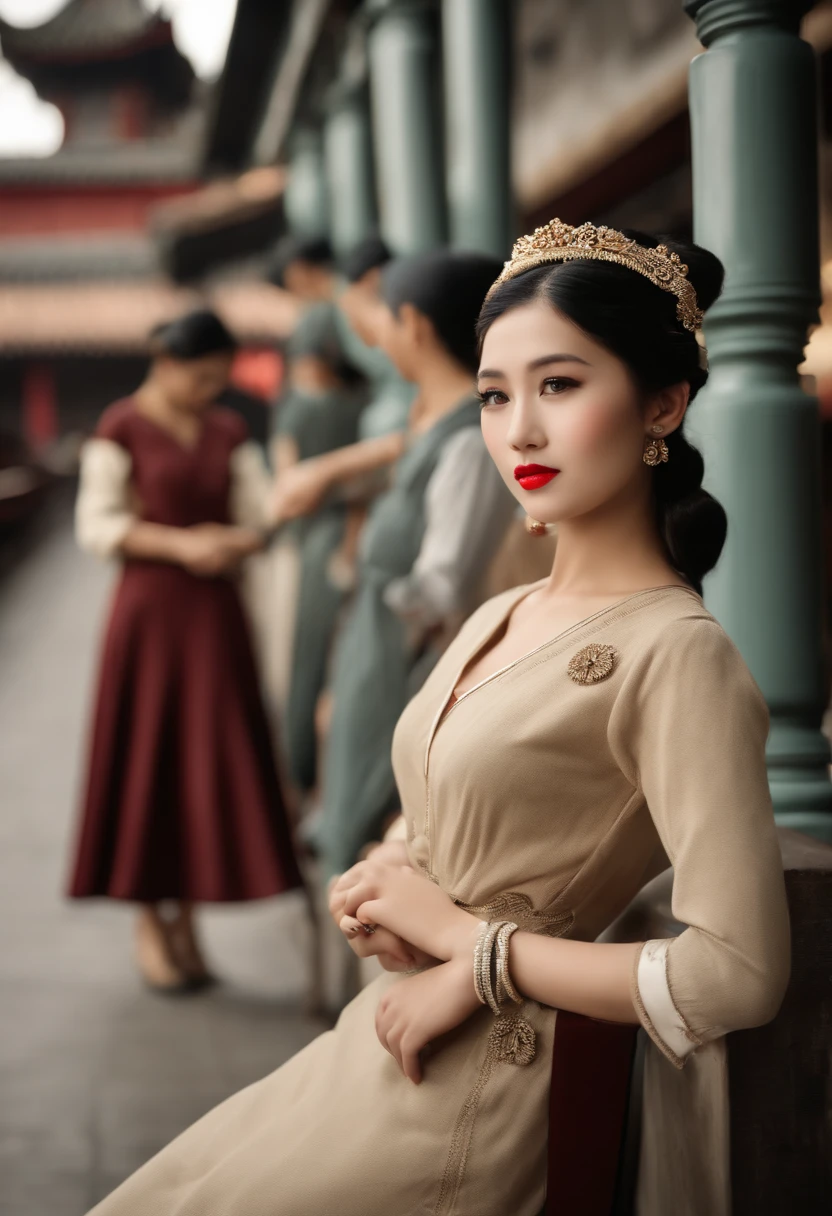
{"x":392,"y":952}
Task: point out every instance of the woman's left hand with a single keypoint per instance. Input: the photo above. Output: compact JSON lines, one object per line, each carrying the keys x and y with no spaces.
{"x":409,"y":905}
{"x":419,"y":1009}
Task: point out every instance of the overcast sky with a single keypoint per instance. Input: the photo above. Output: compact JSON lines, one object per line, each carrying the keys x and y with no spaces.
{"x":30,"y":127}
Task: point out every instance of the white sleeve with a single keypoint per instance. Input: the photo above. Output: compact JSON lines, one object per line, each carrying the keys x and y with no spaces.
{"x":251,"y":485}
{"x":468,"y":509}
{"x":103,"y":510}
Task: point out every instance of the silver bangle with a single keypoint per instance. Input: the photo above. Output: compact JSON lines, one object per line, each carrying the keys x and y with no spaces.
{"x":478,"y":951}
{"x":505,"y":987}
{"x":488,"y":985}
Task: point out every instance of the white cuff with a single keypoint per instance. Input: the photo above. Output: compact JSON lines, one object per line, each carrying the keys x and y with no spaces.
{"x":654,"y":992}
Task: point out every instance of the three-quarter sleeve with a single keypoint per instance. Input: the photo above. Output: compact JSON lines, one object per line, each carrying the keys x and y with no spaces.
{"x":249,"y":502}
{"x":467,"y":510}
{"x":103,"y":509}
{"x":689,"y":727}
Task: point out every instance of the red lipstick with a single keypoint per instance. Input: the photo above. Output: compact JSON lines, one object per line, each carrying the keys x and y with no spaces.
{"x":534,"y":476}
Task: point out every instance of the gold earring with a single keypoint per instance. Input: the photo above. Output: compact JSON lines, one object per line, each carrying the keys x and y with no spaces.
{"x":534,"y":527}
{"x":656,"y":452}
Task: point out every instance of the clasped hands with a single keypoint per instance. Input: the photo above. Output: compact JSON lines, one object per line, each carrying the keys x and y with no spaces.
{"x":212,"y":549}
{"x":385,"y":909}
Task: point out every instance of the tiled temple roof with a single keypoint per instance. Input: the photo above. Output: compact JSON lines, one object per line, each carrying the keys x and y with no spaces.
{"x":86,"y":29}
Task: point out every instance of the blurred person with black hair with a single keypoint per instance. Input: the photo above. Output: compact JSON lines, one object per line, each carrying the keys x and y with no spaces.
{"x":304,"y":266}
{"x":361,"y":310}
{"x":183,"y":801}
{"x":317,"y":411}
{"x":427,"y":544}
{"x":331,"y":552}
{"x":320,"y":414}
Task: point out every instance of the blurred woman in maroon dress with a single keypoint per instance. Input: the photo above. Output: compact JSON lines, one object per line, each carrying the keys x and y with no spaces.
{"x":183,"y":802}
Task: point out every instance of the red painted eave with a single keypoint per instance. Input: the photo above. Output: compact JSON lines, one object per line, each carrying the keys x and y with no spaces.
{"x":55,"y":208}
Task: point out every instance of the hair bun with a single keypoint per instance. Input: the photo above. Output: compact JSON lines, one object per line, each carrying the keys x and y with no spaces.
{"x":694,"y":530}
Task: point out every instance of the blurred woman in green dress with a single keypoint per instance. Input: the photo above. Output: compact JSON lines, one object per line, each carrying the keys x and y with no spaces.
{"x":346,"y":334}
{"x":321,"y":413}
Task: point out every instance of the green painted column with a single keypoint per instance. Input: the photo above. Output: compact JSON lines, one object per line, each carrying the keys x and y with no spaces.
{"x":753,"y":106}
{"x":305,"y":198}
{"x":477,"y":61}
{"x":404,"y":90}
{"x":348,"y":156}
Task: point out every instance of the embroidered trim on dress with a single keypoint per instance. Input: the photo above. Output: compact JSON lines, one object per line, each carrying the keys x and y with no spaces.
{"x":513,"y":905}
{"x":512,"y":1039}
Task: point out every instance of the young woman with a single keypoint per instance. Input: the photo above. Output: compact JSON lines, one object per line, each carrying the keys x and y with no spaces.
{"x":575,"y":732}
{"x":183,"y":803}
{"x":426,"y":545}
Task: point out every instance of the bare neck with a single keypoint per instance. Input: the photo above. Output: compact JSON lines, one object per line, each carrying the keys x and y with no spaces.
{"x":152,"y":401}
{"x":613,"y":551}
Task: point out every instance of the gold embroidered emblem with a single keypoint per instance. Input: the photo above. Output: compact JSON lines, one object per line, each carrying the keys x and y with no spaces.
{"x":513,"y":905}
{"x":514,"y":1039}
{"x":593,"y":663}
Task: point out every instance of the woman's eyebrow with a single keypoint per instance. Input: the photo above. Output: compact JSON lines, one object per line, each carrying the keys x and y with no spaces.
{"x":535,"y":363}
{"x":493,"y":373}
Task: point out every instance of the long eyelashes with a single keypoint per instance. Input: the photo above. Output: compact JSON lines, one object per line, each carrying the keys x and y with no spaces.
{"x":557,"y":385}
{"x":487,"y":397}
{"x":560,"y":384}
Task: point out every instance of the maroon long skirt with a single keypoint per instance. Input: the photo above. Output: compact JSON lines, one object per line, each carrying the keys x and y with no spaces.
{"x":183,"y":799}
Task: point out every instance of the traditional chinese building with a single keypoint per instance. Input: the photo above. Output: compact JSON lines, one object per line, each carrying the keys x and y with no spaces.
{"x":83,"y":254}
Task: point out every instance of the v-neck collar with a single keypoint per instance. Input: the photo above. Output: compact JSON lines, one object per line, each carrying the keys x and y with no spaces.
{"x":611,"y":610}
{"x":188,"y":449}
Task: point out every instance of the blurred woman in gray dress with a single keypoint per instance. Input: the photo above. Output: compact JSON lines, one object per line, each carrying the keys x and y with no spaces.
{"x":428,"y":541}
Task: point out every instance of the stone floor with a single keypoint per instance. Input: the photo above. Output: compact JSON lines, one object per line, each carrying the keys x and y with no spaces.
{"x":96,"y":1073}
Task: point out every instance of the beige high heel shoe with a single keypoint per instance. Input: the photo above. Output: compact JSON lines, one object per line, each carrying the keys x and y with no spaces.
{"x":154,"y":956}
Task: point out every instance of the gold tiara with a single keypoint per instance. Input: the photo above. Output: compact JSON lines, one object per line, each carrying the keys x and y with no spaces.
{"x":559,"y":242}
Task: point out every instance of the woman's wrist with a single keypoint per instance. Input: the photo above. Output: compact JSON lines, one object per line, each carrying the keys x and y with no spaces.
{"x":464,"y":971}
{"x":459,"y":938}
{"x":178,"y":546}
{"x":247,"y":540}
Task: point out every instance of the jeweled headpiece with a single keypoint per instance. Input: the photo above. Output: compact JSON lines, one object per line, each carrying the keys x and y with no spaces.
{"x":559,"y":242}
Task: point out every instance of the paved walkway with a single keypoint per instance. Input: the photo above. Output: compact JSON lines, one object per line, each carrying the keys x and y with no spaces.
{"x":96,"y":1074}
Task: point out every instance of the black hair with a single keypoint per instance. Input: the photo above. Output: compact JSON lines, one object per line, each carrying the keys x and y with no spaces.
{"x":193,"y":336}
{"x":636,"y":320}
{"x":315,"y":250}
{"x":448,"y":287}
{"x":367,"y":255}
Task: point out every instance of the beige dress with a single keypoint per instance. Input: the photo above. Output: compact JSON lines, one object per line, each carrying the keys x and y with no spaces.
{"x":547,"y":799}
